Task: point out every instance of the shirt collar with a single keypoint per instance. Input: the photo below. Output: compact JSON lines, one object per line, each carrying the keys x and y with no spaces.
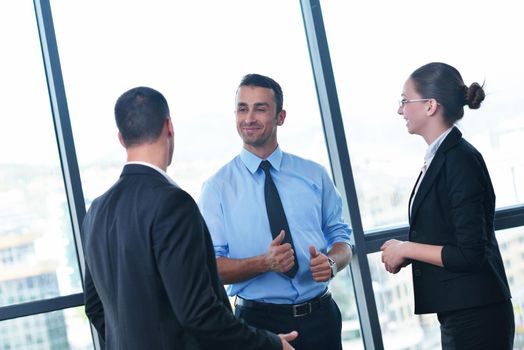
{"x":162,"y":172}
{"x":432,"y":149}
{"x":252,"y":162}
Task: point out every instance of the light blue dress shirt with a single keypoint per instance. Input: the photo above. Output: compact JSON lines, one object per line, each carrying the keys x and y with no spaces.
{"x":233,"y":205}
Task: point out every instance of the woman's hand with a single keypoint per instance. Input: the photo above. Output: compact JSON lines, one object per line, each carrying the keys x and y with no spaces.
{"x":393,"y":255}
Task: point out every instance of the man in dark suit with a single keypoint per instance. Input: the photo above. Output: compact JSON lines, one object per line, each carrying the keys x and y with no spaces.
{"x":151,"y":280}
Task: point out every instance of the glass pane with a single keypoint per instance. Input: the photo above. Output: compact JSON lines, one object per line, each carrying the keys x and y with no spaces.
{"x":511,"y":243}
{"x":373,"y":53}
{"x":401,"y":328}
{"x":196,"y":59}
{"x":59,"y":330}
{"x":343,"y":293}
{"x":37,"y":253}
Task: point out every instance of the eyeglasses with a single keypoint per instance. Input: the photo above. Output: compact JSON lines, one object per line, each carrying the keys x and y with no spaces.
{"x":402,"y":102}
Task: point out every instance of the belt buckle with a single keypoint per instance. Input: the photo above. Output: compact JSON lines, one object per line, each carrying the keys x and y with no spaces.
{"x":297,"y":313}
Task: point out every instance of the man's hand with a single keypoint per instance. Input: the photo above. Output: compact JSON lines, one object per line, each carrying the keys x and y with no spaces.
{"x":279,"y":257}
{"x":319,"y":265}
{"x":286,"y":338}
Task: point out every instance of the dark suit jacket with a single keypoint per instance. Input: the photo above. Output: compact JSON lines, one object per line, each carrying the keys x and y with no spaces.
{"x":455,"y":207}
{"x":151,"y":279}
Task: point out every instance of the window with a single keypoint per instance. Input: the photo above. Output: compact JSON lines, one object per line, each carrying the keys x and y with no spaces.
{"x":37,"y":256}
{"x":401,"y":328}
{"x":61,"y":330}
{"x":513,"y":252}
{"x":371,"y":66}
{"x":196,"y":59}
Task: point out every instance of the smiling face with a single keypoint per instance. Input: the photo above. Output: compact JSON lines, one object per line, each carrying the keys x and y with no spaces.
{"x":257,"y":119}
{"x":414,"y":109}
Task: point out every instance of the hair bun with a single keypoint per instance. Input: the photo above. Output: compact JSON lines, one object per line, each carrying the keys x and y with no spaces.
{"x":474,"y":95}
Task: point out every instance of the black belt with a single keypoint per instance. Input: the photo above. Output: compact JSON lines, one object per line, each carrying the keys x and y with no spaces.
{"x":295,"y":310}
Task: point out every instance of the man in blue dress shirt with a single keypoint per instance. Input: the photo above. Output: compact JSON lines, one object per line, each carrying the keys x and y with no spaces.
{"x":253,"y":262}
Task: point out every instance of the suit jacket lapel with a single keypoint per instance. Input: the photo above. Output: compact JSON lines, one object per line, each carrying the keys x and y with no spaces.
{"x":411,"y":196}
{"x":427,"y":181}
{"x":432,"y":172}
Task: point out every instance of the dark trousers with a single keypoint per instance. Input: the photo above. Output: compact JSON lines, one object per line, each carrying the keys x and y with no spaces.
{"x":490,"y":327}
{"x":320,"y":329}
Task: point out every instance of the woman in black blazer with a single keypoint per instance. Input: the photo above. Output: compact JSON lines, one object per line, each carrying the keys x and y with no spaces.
{"x":457,"y":268}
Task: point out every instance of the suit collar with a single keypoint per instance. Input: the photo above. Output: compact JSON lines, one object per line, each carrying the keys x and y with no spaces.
{"x":136,"y":168}
{"x":449,"y":142}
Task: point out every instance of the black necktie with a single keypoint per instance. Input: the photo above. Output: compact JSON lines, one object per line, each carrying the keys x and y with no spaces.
{"x":276,"y":214}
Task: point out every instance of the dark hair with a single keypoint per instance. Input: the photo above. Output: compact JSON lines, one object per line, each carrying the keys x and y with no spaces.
{"x":265,"y":82}
{"x":140,"y":114}
{"x":444,"y":83}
